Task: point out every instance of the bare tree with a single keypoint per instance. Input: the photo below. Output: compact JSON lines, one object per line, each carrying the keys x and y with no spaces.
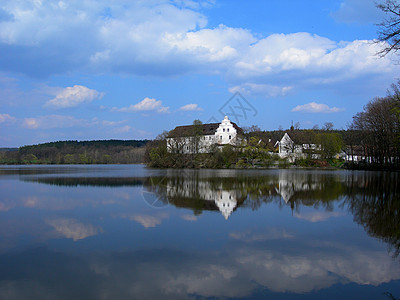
{"x":328,"y":126}
{"x":380,"y":130}
{"x":389,"y":29}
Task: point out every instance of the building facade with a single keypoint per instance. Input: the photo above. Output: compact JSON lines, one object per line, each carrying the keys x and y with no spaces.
{"x":201,"y":138}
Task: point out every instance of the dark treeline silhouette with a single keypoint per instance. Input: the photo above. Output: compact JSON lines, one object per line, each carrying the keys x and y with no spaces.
{"x":89,"y":181}
{"x":78,"y":152}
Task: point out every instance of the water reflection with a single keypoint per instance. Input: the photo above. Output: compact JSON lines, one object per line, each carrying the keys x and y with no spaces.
{"x":373,"y":198}
{"x":223,"y":234}
{"x":375,"y":204}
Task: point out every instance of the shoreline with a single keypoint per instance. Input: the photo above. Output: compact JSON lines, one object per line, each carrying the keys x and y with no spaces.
{"x":289,"y":167}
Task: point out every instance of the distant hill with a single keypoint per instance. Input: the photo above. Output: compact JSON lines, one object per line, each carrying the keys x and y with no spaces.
{"x":77,"y":152}
{"x":8,"y":149}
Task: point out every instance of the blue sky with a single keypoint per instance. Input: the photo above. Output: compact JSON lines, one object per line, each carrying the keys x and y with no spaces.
{"x":84,"y":70}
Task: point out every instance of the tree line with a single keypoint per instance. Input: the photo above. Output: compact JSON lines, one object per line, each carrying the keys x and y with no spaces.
{"x":377,"y":129}
{"x":256,"y":149}
{"x":78,"y":152}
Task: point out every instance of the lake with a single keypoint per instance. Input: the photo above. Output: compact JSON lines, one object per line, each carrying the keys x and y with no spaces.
{"x":129,"y":232}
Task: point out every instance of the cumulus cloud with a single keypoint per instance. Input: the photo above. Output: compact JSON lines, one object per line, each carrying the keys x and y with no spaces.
{"x":147,"y":104}
{"x":314,"y":107}
{"x":73,"y":96}
{"x":212,"y":45}
{"x":305,"y":60}
{"x":190,"y":107}
{"x":6,"y":118}
{"x":164,"y":38}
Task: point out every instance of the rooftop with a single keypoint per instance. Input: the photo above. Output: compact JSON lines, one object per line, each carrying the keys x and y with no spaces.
{"x":202,"y":129}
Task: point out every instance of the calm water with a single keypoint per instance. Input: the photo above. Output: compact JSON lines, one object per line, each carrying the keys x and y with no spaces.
{"x":127,"y":232}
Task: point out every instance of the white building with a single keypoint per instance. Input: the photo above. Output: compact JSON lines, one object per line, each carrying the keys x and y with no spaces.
{"x":200,"y":138}
{"x":288,"y":149}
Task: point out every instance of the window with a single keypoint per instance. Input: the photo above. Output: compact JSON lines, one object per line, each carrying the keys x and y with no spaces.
{"x":220,"y":137}
{"x":223,"y":130}
{"x":227,"y":129}
{"x":230,"y":137}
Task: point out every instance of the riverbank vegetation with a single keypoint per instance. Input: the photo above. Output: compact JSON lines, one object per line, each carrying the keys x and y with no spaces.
{"x":256,"y":151}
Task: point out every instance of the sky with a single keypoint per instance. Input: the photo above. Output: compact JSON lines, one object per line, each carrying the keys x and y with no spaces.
{"x":124,"y":69}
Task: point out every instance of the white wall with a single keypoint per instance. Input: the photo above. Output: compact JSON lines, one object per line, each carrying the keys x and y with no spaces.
{"x":226,"y":133}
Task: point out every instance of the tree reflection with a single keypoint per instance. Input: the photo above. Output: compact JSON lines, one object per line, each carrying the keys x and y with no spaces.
{"x":373,"y":198}
{"x":376,"y":206}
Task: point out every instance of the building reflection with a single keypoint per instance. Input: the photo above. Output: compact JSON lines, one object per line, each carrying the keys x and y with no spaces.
{"x":219,"y":198}
{"x":290,"y":183}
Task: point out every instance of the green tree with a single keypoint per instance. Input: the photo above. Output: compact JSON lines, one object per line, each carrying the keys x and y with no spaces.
{"x":229,"y":155}
{"x":331,"y":144}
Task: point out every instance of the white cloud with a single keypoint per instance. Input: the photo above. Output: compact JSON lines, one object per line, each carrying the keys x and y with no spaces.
{"x":147,"y":104}
{"x":314,"y":107}
{"x":73,"y":96}
{"x":190,"y":107}
{"x":6,"y":118}
{"x":164,"y":38}
{"x":212,"y":45}
{"x":304,"y":60}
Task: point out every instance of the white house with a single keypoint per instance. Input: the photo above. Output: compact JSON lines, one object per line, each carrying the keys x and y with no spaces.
{"x":200,"y":138}
{"x":287,"y":148}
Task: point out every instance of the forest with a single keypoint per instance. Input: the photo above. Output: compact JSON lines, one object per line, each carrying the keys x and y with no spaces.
{"x":78,"y":152}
